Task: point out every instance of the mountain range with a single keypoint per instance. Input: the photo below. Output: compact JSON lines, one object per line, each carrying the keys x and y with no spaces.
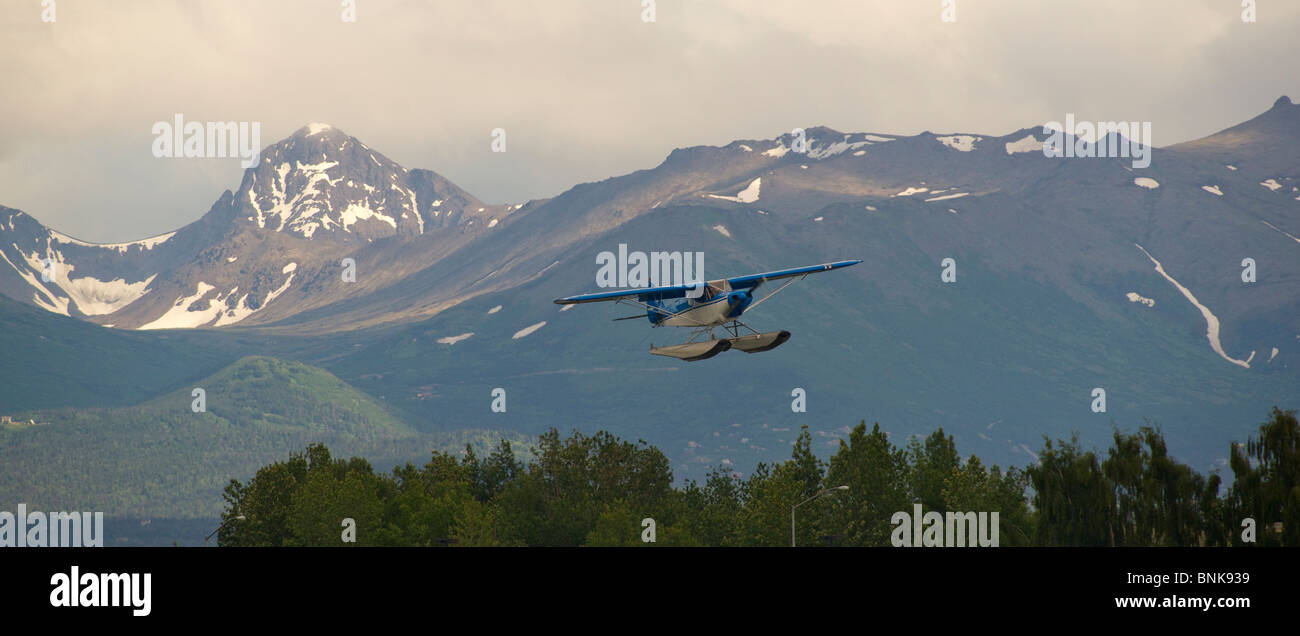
{"x":1072,"y":274}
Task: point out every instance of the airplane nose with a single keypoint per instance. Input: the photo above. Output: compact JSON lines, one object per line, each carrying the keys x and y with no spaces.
{"x":737,"y":301}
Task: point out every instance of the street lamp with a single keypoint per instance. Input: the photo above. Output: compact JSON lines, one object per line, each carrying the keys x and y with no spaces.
{"x":223,"y":524}
{"x":792,"y":508}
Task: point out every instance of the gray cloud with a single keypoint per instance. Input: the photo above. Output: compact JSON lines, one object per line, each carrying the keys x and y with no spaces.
{"x":584,"y":89}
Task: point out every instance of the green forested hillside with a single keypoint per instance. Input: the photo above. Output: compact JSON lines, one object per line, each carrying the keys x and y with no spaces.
{"x":56,"y":361}
{"x":160,"y":458}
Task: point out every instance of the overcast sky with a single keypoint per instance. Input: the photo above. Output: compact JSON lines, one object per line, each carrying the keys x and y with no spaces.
{"x":586,"y":89}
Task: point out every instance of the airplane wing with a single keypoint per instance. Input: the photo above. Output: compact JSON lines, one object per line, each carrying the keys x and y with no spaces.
{"x":642,"y":293}
{"x":754,"y":280}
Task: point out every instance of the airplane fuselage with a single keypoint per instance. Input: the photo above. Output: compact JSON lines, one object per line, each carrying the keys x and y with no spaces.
{"x":711,"y":309}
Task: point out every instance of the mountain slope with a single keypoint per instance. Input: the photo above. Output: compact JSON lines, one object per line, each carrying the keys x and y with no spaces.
{"x":161,"y":459}
{"x":53,"y":361}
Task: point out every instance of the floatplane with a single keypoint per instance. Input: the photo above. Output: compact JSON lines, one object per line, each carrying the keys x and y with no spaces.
{"x":706,"y":307}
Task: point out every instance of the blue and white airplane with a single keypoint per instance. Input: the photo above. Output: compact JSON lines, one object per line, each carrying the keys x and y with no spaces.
{"x":718,"y":305}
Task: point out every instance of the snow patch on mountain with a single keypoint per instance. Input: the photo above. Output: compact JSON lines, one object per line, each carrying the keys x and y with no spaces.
{"x":494,"y":310}
{"x":1026,"y":144}
{"x":183,"y":315}
{"x":960,"y":143}
{"x":316,"y":128}
{"x":451,"y":340}
{"x":1281,"y":231}
{"x":1214,"y":189}
{"x":817,"y":151}
{"x":748,"y":195}
{"x":93,"y":297}
{"x":316,"y":167}
{"x":179,"y":315}
{"x":945,"y":197}
{"x":722,"y":229}
{"x":522,"y":333}
{"x":415,"y":209}
{"x":778,"y":151}
{"x":910,"y":191}
{"x":232,"y":315}
{"x":241,"y":310}
{"x":1135,"y":297}
{"x":277,"y":291}
{"x":42,"y":296}
{"x":1211,"y":321}
{"x":1271,"y":184}
{"x":308,"y":197}
{"x":356,"y":212}
{"x":1146,"y":182}
{"x":147,"y":243}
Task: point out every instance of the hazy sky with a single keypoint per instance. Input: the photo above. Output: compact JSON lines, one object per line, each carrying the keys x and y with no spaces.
{"x":584,"y":89}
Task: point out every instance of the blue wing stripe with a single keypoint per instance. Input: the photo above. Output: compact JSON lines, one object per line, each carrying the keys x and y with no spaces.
{"x":642,"y":294}
{"x":741,"y":282}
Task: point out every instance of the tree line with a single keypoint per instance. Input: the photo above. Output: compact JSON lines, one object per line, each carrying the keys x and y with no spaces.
{"x":597,"y":490}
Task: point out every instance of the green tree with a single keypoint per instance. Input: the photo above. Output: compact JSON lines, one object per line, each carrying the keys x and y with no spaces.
{"x":325,"y":499}
{"x":263,"y":503}
{"x":930,"y":466}
{"x":712,"y":513}
{"x":1073,"y":500}
{"x":616,"y":526}
{"x":970,"y":487}
{"x":1267,"y":484}
{"x":876,"y":473}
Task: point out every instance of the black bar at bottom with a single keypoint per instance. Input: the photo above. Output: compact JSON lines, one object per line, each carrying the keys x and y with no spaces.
{"x":241,"y":585}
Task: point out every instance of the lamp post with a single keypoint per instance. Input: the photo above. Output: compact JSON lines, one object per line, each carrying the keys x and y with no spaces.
{"x":792,"y":508}
{"x":223,"y":524}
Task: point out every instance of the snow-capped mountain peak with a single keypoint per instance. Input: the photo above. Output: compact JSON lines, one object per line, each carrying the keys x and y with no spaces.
{"x":321,"y":181}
